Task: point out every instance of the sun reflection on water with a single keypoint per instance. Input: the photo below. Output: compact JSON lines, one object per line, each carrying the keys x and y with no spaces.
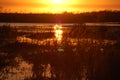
{"x":58,"y":32}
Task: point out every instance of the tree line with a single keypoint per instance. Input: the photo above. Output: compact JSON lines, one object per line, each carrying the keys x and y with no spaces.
{"x":101,"y":16}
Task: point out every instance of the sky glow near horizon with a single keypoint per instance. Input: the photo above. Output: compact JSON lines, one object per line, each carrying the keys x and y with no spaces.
{"x":57,"y":6}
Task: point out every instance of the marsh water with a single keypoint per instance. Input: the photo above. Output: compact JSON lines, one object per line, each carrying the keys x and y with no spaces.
{"x":59,"y":51}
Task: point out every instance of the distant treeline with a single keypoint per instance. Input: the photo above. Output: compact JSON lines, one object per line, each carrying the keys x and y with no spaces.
{"x":101,"y":16}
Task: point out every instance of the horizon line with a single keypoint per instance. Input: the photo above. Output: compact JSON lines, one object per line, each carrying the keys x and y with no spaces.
{"x":64,"y":12}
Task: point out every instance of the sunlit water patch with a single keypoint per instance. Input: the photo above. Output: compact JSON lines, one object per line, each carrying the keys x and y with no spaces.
{"x":72,"y":41}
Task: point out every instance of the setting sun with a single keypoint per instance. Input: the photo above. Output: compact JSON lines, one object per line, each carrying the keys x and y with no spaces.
{"x":59,"y":6}
{"x":58,"y":1}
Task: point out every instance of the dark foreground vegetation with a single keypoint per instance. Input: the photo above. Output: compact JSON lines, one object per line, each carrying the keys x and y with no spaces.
{"x":83,"y":54}
{"x":101,"y":16}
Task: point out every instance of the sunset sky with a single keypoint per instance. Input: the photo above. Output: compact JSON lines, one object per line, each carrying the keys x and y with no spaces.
{"x":57,"y":6}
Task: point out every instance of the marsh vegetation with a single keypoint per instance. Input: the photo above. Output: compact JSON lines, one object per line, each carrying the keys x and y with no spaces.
{"x":79,"y":52}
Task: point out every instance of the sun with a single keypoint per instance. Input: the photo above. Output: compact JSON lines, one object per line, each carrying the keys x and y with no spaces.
{"x":58,"y":1}
{"x":58,"y":6}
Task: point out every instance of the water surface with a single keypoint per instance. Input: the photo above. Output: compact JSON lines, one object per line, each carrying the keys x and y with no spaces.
{"x":59,"y":52}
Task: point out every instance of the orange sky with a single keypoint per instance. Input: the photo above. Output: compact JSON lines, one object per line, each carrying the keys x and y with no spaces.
{"x":57,"y":6}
